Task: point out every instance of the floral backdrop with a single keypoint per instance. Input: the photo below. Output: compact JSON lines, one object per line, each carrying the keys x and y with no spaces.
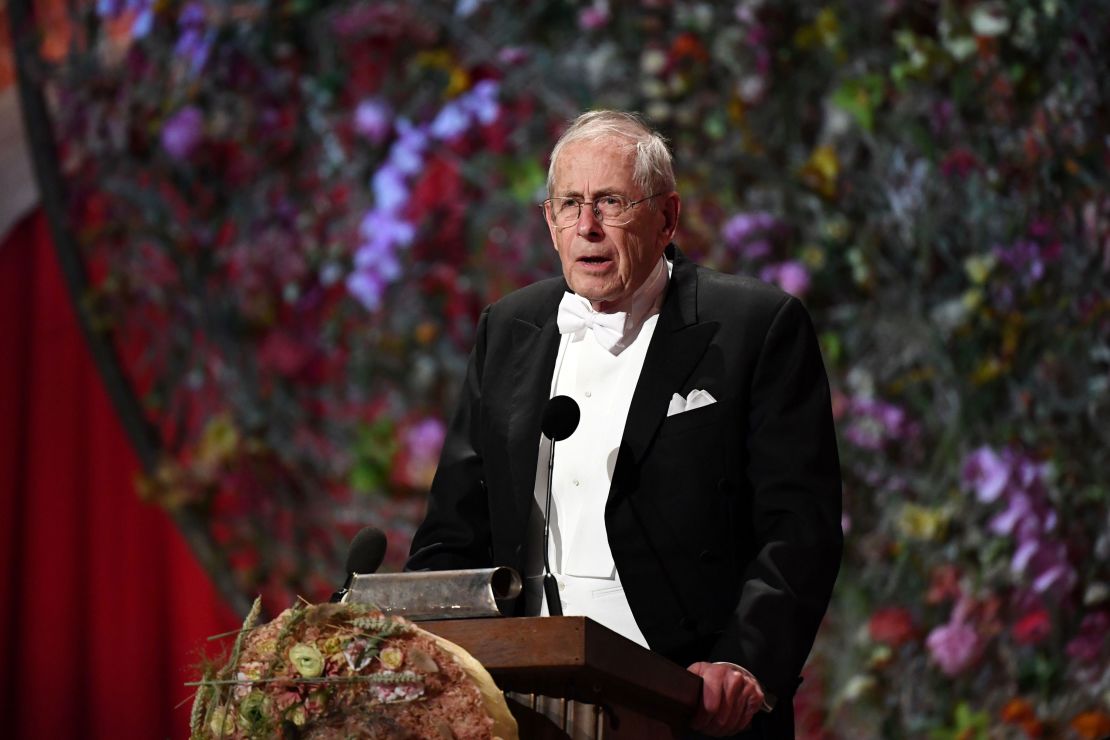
{"x":292,"y":212}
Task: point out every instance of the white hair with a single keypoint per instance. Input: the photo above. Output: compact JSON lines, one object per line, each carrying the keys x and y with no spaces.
{"x":653,"y":171}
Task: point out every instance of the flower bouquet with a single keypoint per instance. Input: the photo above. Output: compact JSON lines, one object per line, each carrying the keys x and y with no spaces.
{"x":347,"y":670}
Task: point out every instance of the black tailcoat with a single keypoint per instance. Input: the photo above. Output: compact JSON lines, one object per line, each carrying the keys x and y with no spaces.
{"x":724,"y":521}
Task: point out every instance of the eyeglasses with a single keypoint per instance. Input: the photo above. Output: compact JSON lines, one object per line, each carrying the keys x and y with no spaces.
{"x":608,"y":209}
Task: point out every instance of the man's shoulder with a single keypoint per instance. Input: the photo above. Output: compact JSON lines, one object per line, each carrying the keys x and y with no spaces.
{"x":531,"y":303}
{"x":731,"y":295}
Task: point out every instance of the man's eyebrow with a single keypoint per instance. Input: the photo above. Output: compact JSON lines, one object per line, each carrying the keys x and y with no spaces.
{"x":597,"y":193}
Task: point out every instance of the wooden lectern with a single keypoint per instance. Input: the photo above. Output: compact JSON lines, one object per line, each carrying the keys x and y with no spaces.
{"x":640,"y":694}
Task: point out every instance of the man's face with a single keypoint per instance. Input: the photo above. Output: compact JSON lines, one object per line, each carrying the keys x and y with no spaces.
{"x":602,"y":262}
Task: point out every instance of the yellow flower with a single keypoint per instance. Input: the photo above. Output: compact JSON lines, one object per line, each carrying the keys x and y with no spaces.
{"x":922,"y":522}
{"x":391,"y":658}
{"x":814,"y":257}
{"x":458,"y":81}
{"x":825,"y":30}
{"x":219,"y":724}
{"x":979,"y":267}
{"x":307,"y":660}
{"x":972,"y":299}
{"x":298,"y":716}
{"x":218,"y":442}
{"x":988,"y":370}
{"x":821,"y":171}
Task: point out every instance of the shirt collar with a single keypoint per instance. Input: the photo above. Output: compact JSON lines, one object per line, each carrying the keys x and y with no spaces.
{"x":644,"y":303}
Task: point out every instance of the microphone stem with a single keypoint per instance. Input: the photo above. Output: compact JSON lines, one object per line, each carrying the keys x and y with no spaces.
{"x":550,"y":586}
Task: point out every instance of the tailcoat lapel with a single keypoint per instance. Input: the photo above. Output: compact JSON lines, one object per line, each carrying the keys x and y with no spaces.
{"x":676,"y":347}
{"x":535,"y":345}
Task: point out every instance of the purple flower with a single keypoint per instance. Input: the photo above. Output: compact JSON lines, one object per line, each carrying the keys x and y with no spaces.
{"x":390,"y":190}
{"x":482,"y":102}
{"x":182,"y":132}
{"x":1088,"y":645}
{"x":451,"y":122}
{"x":1027,"y":258}
{"x":1025,"y":516}
{"x":194,"y":42}
{"x":1022,"y":256}
{"x":875,"y":423}
{"x":376,"y":262}
{"x":746,"y":234}
{"x":143,"y":10}
{"x":373,"y":119}
{"x":380,"y":224}
{"x":1028,"y":517}
{"x":367,"y":287}
{"x":1045,"y":562}
{"x":478,"y":104}
{"x":987,"y":473}
{"x":407,"y":152}
{"x":954,"y":647}
{"x":379,"y":256}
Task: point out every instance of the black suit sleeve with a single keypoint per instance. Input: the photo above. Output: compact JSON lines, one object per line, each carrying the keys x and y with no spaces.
{"x":456,"y":530}
{"x":794,"y":475}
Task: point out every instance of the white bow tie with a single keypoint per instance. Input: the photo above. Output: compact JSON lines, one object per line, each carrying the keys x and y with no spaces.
{"x":575,"y":316}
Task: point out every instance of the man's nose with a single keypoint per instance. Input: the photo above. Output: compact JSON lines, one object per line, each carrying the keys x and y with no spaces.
{"x":589,"y":225}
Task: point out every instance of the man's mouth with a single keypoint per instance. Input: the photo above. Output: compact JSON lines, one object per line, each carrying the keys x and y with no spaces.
{"x":595,"y":260}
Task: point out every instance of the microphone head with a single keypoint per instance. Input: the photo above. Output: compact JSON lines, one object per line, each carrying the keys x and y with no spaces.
{"x":367,"y":551}
{"x":560,"y":418}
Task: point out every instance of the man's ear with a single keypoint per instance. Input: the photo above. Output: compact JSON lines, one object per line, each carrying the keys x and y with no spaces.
{"x":670,"y":208}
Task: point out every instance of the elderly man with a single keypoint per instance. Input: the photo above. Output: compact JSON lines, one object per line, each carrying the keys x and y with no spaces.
{"x":696,"y":508}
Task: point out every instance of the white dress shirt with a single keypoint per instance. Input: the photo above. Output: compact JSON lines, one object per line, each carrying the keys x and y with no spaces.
{"x":602,"y":383}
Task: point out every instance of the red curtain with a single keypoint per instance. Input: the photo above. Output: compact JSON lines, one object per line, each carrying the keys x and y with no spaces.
{"x":104,"y":611}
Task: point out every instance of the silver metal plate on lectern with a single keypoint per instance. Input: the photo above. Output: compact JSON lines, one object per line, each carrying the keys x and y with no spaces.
{"x":441,"y":594}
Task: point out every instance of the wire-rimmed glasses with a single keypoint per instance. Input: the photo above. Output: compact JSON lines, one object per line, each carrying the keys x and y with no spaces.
{"x":608,"y":209}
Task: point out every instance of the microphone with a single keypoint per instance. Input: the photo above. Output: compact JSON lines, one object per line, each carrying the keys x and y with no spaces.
{"x":365,"y":555}
{"x":560,"y":419}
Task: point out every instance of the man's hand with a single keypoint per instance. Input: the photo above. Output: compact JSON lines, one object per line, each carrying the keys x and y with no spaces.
{"x":730,"y":698}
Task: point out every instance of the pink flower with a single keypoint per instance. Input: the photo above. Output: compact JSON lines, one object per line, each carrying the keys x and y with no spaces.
{"x":373,"y":120}
{"x":954,"y":647}
{"x":593,"y":17}
{"x":415,"y":464}
{"x":791,"y":276}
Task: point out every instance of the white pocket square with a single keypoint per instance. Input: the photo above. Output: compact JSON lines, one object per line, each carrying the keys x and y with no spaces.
{"x":695,"y":400}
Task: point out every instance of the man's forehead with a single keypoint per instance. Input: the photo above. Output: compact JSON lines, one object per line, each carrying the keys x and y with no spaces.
{"x":611,"y":157}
